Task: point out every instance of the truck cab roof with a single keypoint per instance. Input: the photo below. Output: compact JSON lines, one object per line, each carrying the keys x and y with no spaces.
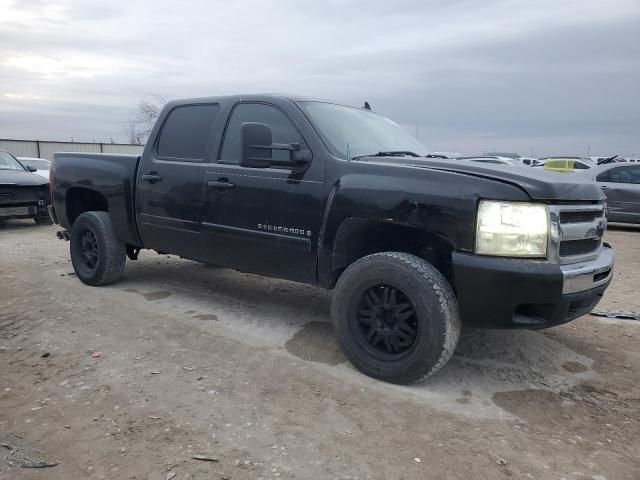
{"x":259,"y":97}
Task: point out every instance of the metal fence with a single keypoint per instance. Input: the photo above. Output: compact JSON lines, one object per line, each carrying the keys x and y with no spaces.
{"x":46,"y":149}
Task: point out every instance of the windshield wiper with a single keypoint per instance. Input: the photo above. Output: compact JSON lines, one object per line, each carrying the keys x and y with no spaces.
{"x":393,"y":153}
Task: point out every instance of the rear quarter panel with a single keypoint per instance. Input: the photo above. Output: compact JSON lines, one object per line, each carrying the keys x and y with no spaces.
{"x":112,"y":176}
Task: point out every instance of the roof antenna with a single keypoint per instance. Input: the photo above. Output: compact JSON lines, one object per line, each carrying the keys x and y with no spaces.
{"x":367,"y":106}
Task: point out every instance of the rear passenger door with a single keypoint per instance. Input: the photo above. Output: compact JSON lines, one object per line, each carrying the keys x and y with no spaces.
{"x":621,"y":185}
{"x":170,"y":184}
{"x":264,"y":220}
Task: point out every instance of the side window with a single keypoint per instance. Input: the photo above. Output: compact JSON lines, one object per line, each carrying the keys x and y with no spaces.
{"x":603,"y":177}
{"x":186,"y":131}
{"x":281,"y":127}
{"x":580,"y":166}
{"x":624,"y":175}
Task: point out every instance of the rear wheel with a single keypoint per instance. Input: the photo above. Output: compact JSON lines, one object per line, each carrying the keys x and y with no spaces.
{"x":396,"y":317}
{"x":98,"y":257}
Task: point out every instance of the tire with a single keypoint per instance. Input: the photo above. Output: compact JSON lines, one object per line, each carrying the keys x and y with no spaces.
{"x":43,"y":218}
{"x":420,"y":320}
{"x":98,"y":257}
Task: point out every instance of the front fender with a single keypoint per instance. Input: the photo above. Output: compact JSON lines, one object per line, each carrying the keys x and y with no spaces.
{"x":438,"y":202}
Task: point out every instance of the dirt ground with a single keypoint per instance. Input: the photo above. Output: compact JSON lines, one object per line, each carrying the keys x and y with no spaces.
{"x":180,"y":359}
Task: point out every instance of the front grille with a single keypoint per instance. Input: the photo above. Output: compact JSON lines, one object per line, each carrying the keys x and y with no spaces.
{"x":577,"y":232}
{"x":570,"y":248}
{"x":580,"y":217}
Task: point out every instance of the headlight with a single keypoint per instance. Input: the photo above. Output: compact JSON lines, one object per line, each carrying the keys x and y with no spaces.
{"x":512,"y":229}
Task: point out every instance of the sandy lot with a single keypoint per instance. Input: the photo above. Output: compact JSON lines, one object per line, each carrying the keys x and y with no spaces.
{"x":195,"y":360}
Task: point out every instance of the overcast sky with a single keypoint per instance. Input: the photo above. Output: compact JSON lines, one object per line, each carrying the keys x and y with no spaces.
{"x":468,"y":76}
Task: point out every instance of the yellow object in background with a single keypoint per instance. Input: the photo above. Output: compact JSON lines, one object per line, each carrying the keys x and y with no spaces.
{"x":560,"y":165}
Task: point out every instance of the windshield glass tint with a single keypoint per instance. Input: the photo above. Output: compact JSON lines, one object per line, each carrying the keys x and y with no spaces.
{"x":363,"y":131}
{"x":7,"y":162}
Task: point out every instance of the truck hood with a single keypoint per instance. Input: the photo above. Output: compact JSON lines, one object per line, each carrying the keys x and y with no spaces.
{"x":17,"y":177}
{"x":535,"y":182}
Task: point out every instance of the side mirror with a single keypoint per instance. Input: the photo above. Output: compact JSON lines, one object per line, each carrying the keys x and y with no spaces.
{"x":257,"y":149}
{"x":32,"y":169}
{"x":256,"y":139}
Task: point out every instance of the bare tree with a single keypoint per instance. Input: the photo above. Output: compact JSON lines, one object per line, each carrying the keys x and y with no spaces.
{"x":135,"y":136}
{"x":140,"y":125}
{"x":149,"y":108}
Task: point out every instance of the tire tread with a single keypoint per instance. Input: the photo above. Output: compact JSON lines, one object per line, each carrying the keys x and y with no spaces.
{"x":442,"y":289}
{"x":115,"y":255}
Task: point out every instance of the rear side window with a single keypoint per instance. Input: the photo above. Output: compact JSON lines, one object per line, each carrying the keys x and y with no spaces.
{"x":621,"y":175}
{"x":282,"y":130}
{"x":186,"y":131}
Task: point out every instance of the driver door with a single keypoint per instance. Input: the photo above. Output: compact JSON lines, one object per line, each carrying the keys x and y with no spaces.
{"x":262,"y":220}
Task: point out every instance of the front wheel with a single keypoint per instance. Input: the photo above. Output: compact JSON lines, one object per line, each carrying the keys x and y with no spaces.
{"x":98,"y":257}
{"x":396,"y":317}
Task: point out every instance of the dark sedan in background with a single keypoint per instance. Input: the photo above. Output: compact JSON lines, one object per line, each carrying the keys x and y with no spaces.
{"x":23,"y":194}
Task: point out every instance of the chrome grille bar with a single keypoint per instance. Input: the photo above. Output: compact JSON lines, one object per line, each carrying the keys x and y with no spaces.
{"x":571,"y":225}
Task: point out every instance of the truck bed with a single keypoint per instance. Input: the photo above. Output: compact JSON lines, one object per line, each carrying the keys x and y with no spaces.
{"x":108,"y":177}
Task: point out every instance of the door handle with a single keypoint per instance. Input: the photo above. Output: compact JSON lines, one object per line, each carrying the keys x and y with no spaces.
{"x":151,"y":177}
{"x":220,"y":184}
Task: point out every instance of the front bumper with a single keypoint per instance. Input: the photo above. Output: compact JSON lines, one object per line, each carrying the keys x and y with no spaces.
{"x":512,"y":293}
{"x":13,"y":212}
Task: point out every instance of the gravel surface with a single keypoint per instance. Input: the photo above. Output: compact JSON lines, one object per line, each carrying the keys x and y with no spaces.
{"x":182,"y":360}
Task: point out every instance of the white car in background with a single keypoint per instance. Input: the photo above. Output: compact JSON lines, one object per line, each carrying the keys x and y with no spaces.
{"x":41,"y":165}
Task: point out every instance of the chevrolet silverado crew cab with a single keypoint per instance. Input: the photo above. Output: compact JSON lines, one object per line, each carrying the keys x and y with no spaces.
{"x":343,"y":198}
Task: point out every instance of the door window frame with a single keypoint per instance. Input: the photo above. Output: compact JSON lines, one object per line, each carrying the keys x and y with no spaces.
{"x":208,"y":144}
{"x":226,"y":128}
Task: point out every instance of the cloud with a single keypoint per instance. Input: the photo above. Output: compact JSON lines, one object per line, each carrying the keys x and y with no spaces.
{"x":556,"y":76}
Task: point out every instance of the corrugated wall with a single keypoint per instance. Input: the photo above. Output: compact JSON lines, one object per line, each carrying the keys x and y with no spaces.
{"x":35,"y":148}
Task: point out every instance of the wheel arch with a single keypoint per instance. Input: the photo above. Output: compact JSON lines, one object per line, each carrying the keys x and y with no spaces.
{"x":357,"y":238}
{"x":79,"y":200}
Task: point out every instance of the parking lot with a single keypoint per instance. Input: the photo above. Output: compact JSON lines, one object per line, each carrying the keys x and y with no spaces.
{"x":181,"y":359}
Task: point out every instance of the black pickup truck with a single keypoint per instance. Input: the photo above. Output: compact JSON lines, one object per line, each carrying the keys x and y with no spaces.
{"x":345,"y":199}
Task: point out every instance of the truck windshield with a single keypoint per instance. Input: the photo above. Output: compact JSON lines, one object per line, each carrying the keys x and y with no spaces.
{"x":7,"y":162}
{"x":351,"y":132}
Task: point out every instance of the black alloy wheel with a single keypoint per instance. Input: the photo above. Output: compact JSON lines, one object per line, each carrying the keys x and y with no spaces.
{"x":89,"y":249}
{"x":97,"y":255}
{"x":387,"y":320}
{"x":396,"y":317}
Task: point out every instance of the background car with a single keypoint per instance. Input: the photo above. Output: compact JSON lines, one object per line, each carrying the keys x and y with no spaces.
{"x":444,"y":155}
{"x":621,"y":184}
{"x":41,"y":165}
{"x":565,"y":164}
{"x":530,"y":161}
{"x":511,"y":155}
{"x":23,"y":193}
{"x":489,"y":159}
